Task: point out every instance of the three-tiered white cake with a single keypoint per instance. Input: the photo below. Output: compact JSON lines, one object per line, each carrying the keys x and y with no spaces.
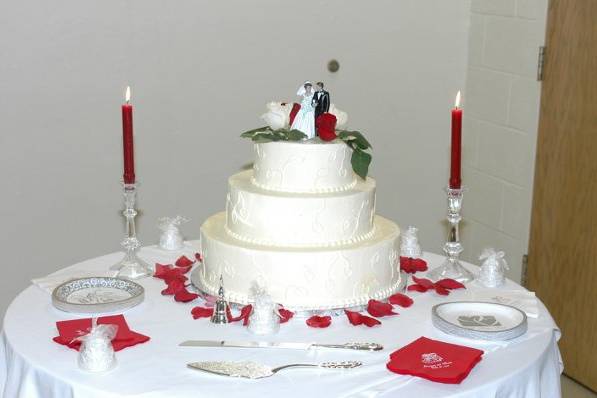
{"x":302,"y":225}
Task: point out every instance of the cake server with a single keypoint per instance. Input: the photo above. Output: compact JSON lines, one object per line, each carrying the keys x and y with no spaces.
{"x":266,"y":344}
{"x":253,"y":370}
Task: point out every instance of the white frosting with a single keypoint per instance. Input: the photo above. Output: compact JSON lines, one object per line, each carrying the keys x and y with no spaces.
{"x":299,"y":220}
{"x":301,"y":278}
{"x":312,"y":166}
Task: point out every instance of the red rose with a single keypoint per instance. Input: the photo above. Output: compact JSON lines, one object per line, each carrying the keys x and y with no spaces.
{"x":295,"y":108}
{"x":326,"y":126}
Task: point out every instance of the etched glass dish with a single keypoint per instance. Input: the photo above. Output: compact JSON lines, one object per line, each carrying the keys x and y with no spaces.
{"x":94,"y":295}
{"x":479,"y":320}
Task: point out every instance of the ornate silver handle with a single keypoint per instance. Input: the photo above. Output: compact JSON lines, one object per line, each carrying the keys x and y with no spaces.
{"x":353,"y":346}
{"x":326,"y":365}
{"x":341,"y":365}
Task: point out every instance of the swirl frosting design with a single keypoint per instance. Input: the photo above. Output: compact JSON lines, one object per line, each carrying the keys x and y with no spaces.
{"x":307,"y":220}
{"x":303,"y":167}
{"x":301,"y":225}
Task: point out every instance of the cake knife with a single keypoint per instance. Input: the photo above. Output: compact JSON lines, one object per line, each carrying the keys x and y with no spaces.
{"x":267,"y":344}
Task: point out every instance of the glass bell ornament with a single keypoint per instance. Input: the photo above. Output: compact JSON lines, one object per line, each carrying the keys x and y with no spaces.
{"x":409,"y":243}
{"x":264,"y":318}
{"x":493,"y":269}
{"x":96,"y":353}
{"x":171,"y":238}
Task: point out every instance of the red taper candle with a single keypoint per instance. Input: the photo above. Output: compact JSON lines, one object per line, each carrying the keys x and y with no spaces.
{"x":127,"y":139}
{"x":456,"y":149}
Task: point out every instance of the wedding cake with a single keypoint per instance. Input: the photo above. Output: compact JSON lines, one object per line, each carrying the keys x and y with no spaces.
{"x":302,"y":225}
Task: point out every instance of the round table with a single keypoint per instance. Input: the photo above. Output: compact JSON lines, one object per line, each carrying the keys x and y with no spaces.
{"x":35,"y":366}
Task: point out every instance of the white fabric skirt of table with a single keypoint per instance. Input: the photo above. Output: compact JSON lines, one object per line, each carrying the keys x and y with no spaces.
{"x":34,"y":366}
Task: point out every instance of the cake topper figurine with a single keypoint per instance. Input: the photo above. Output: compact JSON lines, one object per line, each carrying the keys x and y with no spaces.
{"x":220,"y":315}
{"x":321,"y":100}
{"x":305,"y":118}
{"x":171,"y":238}
{"x":265,"y":318}
{"x":492,"y":272}
{"x":409,"y":245}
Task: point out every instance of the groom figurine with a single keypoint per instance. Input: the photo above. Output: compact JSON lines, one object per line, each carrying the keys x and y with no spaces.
{"x":321,"y":100}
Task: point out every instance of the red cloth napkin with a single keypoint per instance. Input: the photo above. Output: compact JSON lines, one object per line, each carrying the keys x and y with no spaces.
{"x":435,"y":360}
{"x":69,"y":330}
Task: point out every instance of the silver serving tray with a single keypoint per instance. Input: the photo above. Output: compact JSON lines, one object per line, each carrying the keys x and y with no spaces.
{"x":479,"y":320}
{"x":99,"y":294}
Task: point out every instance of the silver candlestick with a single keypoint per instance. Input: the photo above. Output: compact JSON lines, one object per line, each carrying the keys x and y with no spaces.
{"x":131,"y":266}
{"x":451,"y":268}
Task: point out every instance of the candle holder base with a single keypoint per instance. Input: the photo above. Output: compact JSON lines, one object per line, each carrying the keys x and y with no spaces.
{"x":451,"y":268}
{"x":132,"y":267}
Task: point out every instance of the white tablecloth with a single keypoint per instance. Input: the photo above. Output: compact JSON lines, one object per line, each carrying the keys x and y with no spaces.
{"x":34,"y":366}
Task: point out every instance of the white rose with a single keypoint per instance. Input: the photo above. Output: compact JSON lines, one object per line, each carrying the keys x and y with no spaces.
{"x":341,"y":116}
{"x":278,"y":115}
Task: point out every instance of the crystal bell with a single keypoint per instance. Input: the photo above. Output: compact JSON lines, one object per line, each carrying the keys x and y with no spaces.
{"x":171,"y":237}
{"x":492,"y":272}
{"x":220,"y":309}
{"x":409,"y":246}
{"x":96,"y":353}
{"x":265,"y":318}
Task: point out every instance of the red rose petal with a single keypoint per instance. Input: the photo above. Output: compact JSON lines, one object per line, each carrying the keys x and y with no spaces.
{"x":426,"y":283}
{"x":174,"y":287}
{"x":356,"y":319}
{"x":199,"y":257}
{"x":161,"y":270}
{"x":168,"y":272}
{"x":401,"y":299}
{"x":184,"y":261}
{"x":405,"y":265}
{"x":244,"y":314}
{"x":419,"y":264}
{"x":353,"y":317}
{"x":450,"y":284}
{"x":317,"y":321}
{"x":411,"y":265}
{"x":378,"y":309}
{"x":370,"y":322}
{"x":184,"y":270}
{"x":184,"y":296}
{"x":417,"y":288}
{"x":285,"y":315}
{"x":441,"y":290}
{"x":176,"y":274}
{"x":202,"y":312}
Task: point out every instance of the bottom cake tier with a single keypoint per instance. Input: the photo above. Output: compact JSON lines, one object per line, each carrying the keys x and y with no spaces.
{"x":303,"y":279}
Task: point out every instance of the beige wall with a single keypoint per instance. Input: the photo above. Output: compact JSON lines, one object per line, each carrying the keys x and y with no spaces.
{"x":201,"y":73}
{"x":500,"y":126}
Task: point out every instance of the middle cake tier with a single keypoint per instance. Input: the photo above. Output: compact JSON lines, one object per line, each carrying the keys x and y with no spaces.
{"x":275,"y":218}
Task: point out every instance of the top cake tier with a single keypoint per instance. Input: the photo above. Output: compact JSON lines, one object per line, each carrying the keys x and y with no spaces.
{"x":307,"y":167}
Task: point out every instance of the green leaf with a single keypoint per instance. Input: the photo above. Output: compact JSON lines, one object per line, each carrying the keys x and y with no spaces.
{"x":356,"y":137}
{"x":296,"y":135}
{"x":360,"y":161}
{"x":251,"y":133}
{"x":263,"y":137}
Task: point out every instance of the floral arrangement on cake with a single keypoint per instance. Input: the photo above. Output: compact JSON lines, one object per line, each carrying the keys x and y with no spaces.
{"x":280,"y":116}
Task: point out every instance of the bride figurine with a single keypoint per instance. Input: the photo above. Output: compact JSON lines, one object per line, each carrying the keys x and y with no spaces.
{"x":305,"y":118}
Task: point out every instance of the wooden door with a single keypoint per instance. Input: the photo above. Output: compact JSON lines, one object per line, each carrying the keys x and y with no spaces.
{"x":563,"y":244}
